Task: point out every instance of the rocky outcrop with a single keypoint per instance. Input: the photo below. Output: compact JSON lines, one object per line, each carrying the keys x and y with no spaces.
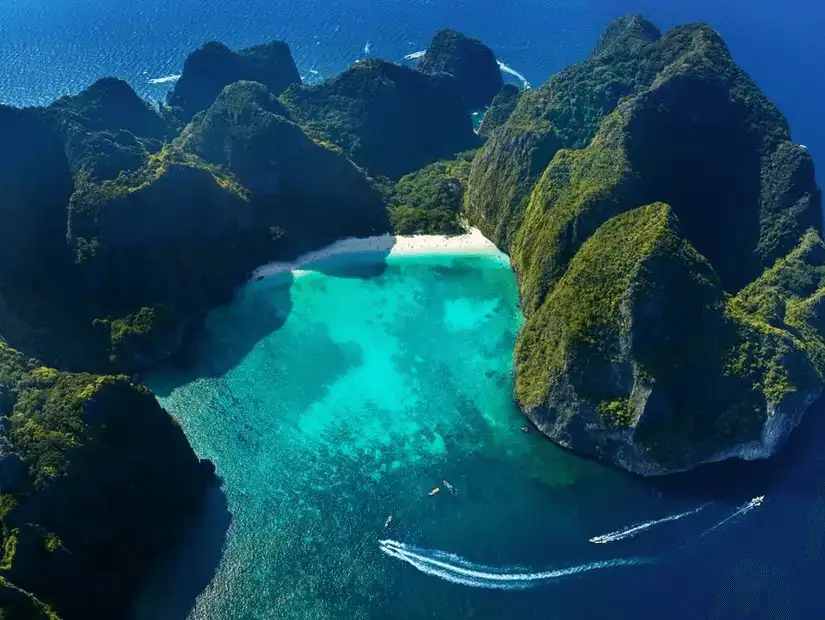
{"x":389,"y":119}
{"x":247,"y":133}
{"x":626,"y":35}
{"x":651,"y":119}
{"x":93,"y":508}
{"x":469,"y":61}
{"x":690,"y":75}
{"x":209,"y":69}
{"x":637,"y":357}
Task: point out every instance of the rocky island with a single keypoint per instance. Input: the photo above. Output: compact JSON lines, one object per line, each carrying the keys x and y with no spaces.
{"x":664,"y":230}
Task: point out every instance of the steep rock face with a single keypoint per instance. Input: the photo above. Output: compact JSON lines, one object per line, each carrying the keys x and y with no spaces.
{"x":701,"y":139}
{"x":311,"y":194}
{"x":612,"y":364}
{"x":500,"y":110}
{"x":93,"y":508}
{"x":692,"y":95}
{"x":207,"y":70}
{"x":165,"y":242}
{"x":469,"y":61}
{"x":389,"y":119}
{"x":695,"y":133}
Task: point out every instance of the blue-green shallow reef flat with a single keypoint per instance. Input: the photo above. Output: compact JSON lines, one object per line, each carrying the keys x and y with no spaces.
{"x":329,"y":401}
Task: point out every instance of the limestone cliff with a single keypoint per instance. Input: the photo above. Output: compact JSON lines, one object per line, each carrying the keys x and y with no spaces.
{"x":631,"y":351}
{"x":389,"y":119}
{"x":471,"y":63}
{"x":212,"y":67}
{"x":85,"y":508}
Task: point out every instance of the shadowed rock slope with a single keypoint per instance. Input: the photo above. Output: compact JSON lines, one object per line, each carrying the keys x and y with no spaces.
{"x":209,"y":69}
{"x":389,"y":119}
{"x":469,"y":61}
{"x":85,"y":508}
{"x":633,"y":349}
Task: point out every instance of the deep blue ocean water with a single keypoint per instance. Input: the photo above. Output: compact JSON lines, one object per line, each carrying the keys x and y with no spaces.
{"x":332,"y":400}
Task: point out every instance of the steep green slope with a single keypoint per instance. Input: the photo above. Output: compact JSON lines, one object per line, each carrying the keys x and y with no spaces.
{"x":695,"y":115}
{"x":85,"y":508}
{"x":209,"y":69}
{"x":428,"y":201}
{"x":691,"y":130}
{"x":389,"y":119}
{"x":637,"y":357}
{"x":309,"y":192}
{"x":469,"y":61}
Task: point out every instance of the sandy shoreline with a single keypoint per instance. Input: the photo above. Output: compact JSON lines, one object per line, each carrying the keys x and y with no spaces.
{"x":473,"y":242}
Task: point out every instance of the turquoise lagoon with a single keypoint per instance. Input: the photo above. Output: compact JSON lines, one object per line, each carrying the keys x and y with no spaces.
{"x":333,"y":398}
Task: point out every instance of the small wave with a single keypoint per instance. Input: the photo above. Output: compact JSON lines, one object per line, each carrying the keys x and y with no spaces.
{"x":165,"y":79}
{"x":633,"y":530}
{"x":507,"y":69}
{"x":462,"y":571}
{"x":504,"y":67}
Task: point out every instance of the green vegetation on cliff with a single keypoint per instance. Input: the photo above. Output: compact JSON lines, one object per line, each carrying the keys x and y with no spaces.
{"x":578,"y":191}
{"x":209,"y":69}
{"x":389,"y":119}
{"x":429,"y":201}
{"x":637,"y":337}
{"x":693,"y":114}
{"x":247,"y":133}
{"x":634,"y":349}
{"x":583,"y":315}
{"x":85,"y":508}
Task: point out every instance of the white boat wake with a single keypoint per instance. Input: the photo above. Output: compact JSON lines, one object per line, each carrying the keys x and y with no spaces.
{"x":165,"y":79}
{"x":742,"y":510}
{"x":504,"y":68}
{"x":461,"y":571}
{"x":507,"y":69}
{"x":634,"y":530}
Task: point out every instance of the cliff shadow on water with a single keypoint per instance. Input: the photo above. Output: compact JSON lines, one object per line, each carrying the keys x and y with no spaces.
{"x":797,"y":469}
{"x":269,"y":300}
{"x":172,"y":589}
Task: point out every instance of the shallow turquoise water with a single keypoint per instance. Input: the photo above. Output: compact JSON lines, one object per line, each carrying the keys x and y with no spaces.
{"x":332,"y":400}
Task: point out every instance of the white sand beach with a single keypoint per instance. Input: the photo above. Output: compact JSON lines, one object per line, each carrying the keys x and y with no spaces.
{"x":473,"y":242}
